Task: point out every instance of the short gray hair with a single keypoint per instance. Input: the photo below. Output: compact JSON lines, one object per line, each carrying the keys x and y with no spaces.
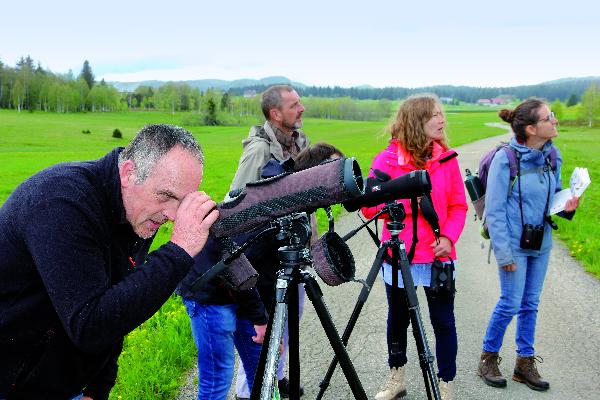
{"x":154,"y":141}
{"x":271,"y":98}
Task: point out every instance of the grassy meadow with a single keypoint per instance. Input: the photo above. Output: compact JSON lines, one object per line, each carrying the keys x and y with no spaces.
{"x":30,"y":142}
{"x":157,"y":354}
{"x":580,"y":147}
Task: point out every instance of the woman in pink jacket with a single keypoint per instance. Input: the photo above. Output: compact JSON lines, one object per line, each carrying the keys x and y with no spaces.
{"x":418,"y":141}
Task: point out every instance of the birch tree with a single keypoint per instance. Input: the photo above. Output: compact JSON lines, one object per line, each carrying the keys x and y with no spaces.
{"x":590,"y":103}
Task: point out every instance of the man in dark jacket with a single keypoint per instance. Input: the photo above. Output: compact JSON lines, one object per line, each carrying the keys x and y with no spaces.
{"x":75,"y":276}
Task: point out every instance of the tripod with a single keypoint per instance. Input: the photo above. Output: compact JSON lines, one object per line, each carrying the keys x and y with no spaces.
{"x":399,"y":262}
{"x":294,"y":257}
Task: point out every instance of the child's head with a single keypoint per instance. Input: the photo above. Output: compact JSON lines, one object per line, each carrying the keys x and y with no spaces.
{"x":315,"y":154}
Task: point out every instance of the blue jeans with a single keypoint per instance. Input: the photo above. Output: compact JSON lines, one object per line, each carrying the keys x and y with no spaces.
{"x":216,"y":329}
{"x":520,"y":292}
{"x":441,"y":313}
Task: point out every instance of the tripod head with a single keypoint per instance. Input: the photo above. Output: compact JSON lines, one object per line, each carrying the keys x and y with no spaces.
{"x":397,"y":214}
{"x":294,"y":232}
{"x":293,"y":229}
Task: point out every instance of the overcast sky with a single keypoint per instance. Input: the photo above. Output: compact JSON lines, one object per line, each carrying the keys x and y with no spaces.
{"x":347,"y":43}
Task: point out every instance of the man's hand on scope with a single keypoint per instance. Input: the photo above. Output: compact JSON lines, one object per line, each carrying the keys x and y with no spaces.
{"x":195,"y":216}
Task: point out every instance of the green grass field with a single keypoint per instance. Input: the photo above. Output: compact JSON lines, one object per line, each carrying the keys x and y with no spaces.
{"x":157,"y":354}
{"x":30,"y":142}
{"x":579,"y":147}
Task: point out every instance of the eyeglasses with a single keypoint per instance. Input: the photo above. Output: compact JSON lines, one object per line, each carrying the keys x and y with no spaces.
{"x":550,"y":117}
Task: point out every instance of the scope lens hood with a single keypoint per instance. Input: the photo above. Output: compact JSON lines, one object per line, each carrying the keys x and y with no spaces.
{"x":332,"y":259}
{"x":353,"y":180}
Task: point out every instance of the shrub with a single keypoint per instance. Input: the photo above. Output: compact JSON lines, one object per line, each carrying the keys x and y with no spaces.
{"x":192,"y":120}
{"x":86,"y":131}
{"x":117,"y":134}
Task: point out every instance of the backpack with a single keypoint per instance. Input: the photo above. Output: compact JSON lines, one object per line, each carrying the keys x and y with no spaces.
{"x":476,"y":184}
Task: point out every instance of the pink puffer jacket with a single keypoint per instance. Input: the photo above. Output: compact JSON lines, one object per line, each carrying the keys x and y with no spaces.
{"x":448,"y":195}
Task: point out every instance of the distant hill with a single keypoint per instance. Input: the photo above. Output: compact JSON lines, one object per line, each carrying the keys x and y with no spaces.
{"x":563,"y":80}
{"x":205,"y":84}
{"x":557,"y":89}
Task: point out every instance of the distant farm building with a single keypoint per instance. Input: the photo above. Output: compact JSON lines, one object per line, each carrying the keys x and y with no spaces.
{"x":249,"y":94}
{"x":496,"y":101}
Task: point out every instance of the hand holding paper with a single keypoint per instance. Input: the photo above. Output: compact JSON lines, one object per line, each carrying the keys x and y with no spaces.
{"x":568,"y":199}
{"x":572,"y":204}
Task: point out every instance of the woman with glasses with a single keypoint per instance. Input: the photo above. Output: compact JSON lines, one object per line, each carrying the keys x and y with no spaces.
{"x":418,"y":141}
{"x":516,"y":213}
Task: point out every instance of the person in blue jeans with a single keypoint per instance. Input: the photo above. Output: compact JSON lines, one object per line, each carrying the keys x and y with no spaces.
{"x":216,"y":328}
{"x":514,"y":211}
{"x":222,"y":319}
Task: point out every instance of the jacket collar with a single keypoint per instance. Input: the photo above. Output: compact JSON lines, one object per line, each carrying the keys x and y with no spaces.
{"x":107,"y":169}
{"x":534,"y":156}
{"x":267,"y":135}
{"x":405,"y":159}
{"x":275,"y":146}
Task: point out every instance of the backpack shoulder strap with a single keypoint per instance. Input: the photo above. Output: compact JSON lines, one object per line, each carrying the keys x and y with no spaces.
{"x":511,"y":154}
{"x":513,"y":161}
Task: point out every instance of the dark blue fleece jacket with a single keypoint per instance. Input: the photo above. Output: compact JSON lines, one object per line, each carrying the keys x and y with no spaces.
{"x":69,"y":290}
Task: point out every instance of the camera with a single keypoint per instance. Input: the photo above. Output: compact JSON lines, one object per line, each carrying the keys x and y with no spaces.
{"x":532,"y":237}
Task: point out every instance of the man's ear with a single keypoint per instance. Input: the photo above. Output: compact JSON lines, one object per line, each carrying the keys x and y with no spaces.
{"x":275,"y":114}
{"x":127,"y":173}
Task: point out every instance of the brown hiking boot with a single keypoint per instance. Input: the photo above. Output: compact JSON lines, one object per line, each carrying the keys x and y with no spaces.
{"x":488,"y":369}
{"x":527,"y":373}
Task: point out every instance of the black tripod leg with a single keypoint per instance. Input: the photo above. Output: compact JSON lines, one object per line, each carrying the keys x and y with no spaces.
{"x":425,"y":356}
{"x":316,"y":297}
{"x":362,"y":298}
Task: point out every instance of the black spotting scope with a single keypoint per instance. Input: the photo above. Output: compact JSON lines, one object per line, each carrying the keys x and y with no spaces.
{"x":381,"y":189}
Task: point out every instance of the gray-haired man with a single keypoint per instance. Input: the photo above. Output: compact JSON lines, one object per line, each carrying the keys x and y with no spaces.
{"x":75,"y":276}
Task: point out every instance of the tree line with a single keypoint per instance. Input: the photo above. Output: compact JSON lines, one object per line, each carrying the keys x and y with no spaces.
{"x":561,"y":90}
{"x":28,"y":86}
